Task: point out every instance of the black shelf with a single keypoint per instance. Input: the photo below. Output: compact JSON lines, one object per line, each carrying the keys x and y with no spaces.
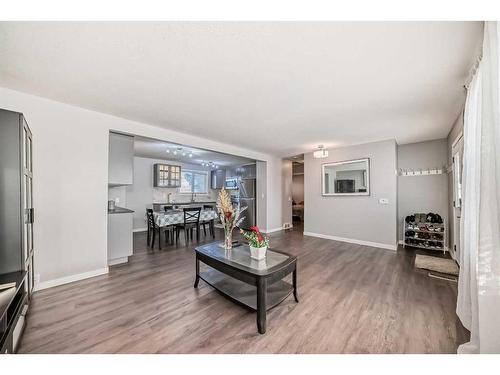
{"x":17,"y":277}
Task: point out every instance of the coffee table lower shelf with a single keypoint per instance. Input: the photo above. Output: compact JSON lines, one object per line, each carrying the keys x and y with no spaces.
{"x":243,"y":293}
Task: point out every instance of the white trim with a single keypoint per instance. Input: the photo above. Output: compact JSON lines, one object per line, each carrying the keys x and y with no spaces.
{"x":70,"y":279}
{"x":272,"y":230}
{"x":351,"y":240}
{"x":140,"y":230}
{"x":457,"y":139}
{"x":116,"y":261}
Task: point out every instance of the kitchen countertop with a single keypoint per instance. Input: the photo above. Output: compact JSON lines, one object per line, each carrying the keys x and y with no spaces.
{"x":120,"y":210}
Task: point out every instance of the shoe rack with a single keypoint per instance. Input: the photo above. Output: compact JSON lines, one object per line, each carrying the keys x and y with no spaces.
{"x":426,"y":235}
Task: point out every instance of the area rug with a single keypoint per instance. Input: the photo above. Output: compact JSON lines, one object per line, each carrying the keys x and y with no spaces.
{"x":441,"y":265}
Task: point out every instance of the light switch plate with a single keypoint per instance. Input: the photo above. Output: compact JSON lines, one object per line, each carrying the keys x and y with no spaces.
{"x":383,"y":201}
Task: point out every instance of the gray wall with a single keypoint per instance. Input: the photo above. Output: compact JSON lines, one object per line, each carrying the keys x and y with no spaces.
{"x":422,"y":193}
{"x":298,"y":182}
{"x":359,"y":218}
{"x":298,"y":188}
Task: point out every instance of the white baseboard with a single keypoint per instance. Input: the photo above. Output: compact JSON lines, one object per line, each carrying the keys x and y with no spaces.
{"x":140,"y":230}
{"x":272,"y":230}
{"x":351,"y":240}
{"x":70,"y":279}
{"x":116,"y":261}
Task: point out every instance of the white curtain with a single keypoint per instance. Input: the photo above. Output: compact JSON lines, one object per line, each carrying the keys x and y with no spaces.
{"x":478,"y":304}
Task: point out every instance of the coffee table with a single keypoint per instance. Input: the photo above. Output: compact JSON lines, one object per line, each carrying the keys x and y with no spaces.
{"x":256,"y":285}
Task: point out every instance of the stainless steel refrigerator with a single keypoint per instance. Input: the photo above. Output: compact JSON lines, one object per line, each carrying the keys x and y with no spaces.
{"x":247,"y":199}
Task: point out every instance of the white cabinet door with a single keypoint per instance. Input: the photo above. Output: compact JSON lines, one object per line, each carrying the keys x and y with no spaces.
{"x":120,"y":237}
{"x":121,"y":159}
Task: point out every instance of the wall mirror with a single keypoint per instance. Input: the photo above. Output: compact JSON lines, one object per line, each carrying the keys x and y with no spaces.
{"x":346,"y":177}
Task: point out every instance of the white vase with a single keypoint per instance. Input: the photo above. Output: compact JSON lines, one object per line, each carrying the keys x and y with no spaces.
{"x":258,"y":253}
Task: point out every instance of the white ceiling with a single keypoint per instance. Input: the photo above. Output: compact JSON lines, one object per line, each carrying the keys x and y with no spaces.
{"x":277,"y":87}
{"x":154,"y":149}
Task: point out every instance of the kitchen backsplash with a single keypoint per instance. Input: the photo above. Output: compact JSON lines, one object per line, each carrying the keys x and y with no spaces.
{"x":160,"y":195}
{"x":118,"y":194}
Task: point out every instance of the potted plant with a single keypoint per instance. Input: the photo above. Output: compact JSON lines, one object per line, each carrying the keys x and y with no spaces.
{"x":258,"y":243}
{"x":229,"y":217}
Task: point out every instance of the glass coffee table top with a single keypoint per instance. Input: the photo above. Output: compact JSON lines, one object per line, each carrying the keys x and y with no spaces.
{"x":240,"y":255}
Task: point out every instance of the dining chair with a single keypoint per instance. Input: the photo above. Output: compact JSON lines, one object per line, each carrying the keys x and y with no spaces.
{"x":210,"y":223}
{"x":169,"y":229}
{"x":191,"y":222}
{"x":153,"y":228}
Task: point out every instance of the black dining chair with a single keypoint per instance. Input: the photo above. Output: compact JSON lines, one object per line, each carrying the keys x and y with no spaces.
{"x":153,"y":228}
{"x":210,"y":223}
{"x":191,"y":222}
{"x":169,"y":229}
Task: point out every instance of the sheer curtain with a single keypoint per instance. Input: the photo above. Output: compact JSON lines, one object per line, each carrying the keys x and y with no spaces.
{"x":478,"y":304}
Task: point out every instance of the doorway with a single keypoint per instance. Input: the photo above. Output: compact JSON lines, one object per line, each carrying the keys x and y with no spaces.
{"x":298,"y":191}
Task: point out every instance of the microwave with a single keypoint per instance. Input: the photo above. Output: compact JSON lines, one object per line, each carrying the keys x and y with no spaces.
{"x":231,"y":183}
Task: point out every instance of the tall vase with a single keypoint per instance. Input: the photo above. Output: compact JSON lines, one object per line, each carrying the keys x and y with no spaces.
{"x":228,"y":238}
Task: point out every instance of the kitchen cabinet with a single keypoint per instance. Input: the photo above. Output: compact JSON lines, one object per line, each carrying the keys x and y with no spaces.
{"x":242,"y":171}
{"x":166,"y":175}
{"x":120,"y":235}
{"x":121,"y":159}
{"x":248,"y":171}
{"x":217,"y":178}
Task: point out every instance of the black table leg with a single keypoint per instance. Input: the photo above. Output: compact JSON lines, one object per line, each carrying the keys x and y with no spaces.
{"x":294,"y":281}
{"x":261,"y":304}
{"x":197,"y":280}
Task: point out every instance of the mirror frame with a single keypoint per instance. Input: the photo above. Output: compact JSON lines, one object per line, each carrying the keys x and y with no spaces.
{"x":324,"y":165}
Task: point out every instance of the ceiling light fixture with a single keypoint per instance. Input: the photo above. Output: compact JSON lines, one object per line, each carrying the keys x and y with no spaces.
{"x":168,"y":151}
{"x":190,"y":154}
{"x":320,"y":153}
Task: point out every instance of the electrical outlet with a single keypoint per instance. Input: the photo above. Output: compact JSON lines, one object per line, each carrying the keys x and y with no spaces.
{"x":37,"y":278}
{"x":117,"y":200}
{"x":383,"y":201}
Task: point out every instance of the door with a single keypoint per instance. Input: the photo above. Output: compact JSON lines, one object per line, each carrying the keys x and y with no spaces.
{"x":457,"y":151}
{"x":27,"y":200}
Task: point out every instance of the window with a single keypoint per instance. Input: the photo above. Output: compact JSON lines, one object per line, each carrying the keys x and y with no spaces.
{"x":194,"y":182}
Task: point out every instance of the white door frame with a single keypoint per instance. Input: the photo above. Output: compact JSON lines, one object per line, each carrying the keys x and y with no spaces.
{"x":457,"y":164}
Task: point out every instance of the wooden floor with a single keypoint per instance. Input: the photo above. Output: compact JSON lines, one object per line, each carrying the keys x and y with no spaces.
{"x":354,"y":299}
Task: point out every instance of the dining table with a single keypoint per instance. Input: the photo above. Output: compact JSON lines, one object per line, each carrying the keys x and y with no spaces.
{"x":172,"y":217}
{"x":168,"y":218}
